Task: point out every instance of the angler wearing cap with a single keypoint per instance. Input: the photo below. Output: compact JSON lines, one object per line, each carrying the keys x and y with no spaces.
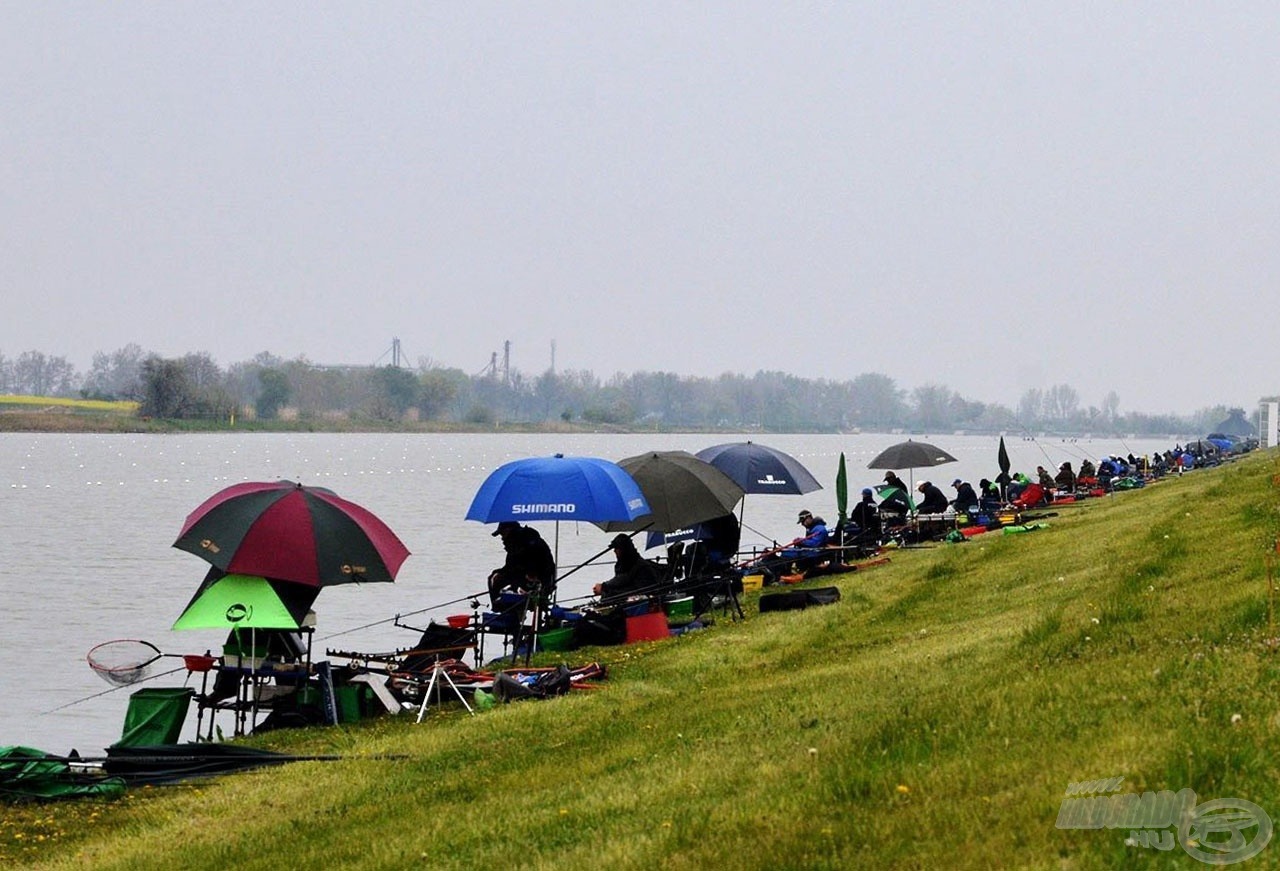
{"x":932,"y":499}
{"x":895,"y":501}
{"x":529,"y":566}
{"x":801,"y":553}
{"x":966,"y":498}
{"x":866,"y":514}
{"x":632,"y":573}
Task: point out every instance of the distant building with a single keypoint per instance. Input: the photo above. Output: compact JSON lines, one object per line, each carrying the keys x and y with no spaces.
{"x":1269,"y":422}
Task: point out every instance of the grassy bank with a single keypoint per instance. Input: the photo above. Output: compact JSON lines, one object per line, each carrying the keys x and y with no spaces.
{"x":59,"y":414}
{"x":931,"y":719}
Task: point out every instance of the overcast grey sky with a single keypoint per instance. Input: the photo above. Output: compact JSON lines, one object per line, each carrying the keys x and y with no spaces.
{"x":991,"y":196}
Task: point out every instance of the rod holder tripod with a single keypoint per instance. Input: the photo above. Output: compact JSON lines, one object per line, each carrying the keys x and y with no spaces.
{"x":435,"y":685}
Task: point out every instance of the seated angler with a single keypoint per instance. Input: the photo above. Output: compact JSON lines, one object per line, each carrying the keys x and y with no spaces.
{"x":966,"y":499}
{"x":988,"y":495}
{"x":866,"y":516}
{"x":895,"y":501}
{"x":633,"y":575}
{"x":1065,"y":479}
{"x":529,"y":567}
{"x":801,"y":553}
{"x":1045,"y":479}
{"x":932,"y":499}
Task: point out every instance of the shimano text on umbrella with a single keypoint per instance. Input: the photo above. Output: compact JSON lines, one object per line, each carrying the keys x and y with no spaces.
{"x":545,"y":508}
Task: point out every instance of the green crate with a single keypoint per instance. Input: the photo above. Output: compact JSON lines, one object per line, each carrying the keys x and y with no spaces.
{"x":350,"y":702}
{"x":680,"y":609}
{"x":556,"y":639}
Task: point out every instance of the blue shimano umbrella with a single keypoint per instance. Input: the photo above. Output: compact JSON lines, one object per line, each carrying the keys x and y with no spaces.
{"x":558,"y":488}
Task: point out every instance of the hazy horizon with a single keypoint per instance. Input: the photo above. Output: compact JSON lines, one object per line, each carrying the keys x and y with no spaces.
{"x":985,"y":196}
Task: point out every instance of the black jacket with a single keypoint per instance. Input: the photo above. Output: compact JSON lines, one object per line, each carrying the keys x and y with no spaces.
{"x":528,"y":556}
{"x":934,"y":501}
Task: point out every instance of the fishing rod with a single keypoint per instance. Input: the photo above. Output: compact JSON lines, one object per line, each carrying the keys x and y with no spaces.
{"x":470,"y":597}
{"x":113,"y":689}
{"x":265,"y":757}
{"x":467,"y":598}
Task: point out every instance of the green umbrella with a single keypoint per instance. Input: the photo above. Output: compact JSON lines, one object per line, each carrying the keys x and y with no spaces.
{"x":842,"y":492}
{"x":246,"y":602}
{"x":885,"y":491}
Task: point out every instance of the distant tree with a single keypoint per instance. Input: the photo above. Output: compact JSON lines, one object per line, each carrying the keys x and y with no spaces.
{"x":1031,"y":407}
{"x":437,"y":389}
{"x":242,"y":381}
{"x":273,"y":393}
{"x":117,"y":375}
{"x":547,"y":388}
{"x":1061,"y":402}
{"x":190,"y":387}
{"x":876,"y":401}
{"x":933,"y":407}
{"x":480,"y":415}
{"x":6,"y":375}
{"x":39,"y":374}
{"x":167,"y":391}
{"x":1111,"y":406}
{"x":394,"y":391}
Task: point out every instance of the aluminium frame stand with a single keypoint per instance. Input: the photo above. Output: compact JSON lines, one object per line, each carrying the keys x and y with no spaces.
{"x":723,"y":589}
{"x":438,"y":671}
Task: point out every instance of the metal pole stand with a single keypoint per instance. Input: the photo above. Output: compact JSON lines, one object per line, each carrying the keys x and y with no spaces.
{"x":438,"y":671}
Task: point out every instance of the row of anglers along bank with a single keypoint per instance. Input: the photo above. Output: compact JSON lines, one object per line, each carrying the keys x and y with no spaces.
{"x":274,"y":546}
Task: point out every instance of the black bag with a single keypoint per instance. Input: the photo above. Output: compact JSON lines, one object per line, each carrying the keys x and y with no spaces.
{"x":552,"y":683}
{"x":823,"y":595}
{"x":798,"y":600}
{"x":599,"y":630}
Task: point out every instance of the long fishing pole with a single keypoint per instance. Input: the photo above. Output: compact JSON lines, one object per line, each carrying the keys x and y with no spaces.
{"x":467,"y":598}
{"x":113,"y":689}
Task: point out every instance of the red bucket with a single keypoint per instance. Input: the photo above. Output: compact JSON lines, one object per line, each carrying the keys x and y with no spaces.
{"x":458,"y":621}
{"x":198,"y":661}
{"x":647,"y":627}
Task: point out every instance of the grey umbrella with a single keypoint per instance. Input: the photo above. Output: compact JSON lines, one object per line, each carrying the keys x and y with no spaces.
{"x":910,"y":455}
{"x":681,"y":490}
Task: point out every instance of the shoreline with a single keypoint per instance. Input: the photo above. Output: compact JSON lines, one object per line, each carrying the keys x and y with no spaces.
{"x":109,"y":424}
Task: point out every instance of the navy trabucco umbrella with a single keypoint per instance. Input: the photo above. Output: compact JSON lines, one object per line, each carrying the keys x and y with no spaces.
{"x":761,"y":469}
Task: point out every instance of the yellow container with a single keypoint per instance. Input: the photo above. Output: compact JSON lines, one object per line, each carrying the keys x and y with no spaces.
{"x":752,"y":583}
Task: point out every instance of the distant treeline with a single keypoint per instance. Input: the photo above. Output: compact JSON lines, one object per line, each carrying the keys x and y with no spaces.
{"x":269,"y":387}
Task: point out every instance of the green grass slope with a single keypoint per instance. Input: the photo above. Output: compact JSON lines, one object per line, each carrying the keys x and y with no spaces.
{"x":931,"y":719}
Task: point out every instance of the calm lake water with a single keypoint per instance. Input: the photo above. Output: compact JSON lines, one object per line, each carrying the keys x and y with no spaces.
{"x":87,"y":523}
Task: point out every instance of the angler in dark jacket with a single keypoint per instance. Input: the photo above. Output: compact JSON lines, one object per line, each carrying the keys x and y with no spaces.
{"x":529,"y":565}
{"x":632,"y":573}
{"x":932,"y":499}
{"x":966,"y":498}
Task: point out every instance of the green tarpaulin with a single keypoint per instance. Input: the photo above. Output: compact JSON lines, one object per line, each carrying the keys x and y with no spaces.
{"x":27,"y":774}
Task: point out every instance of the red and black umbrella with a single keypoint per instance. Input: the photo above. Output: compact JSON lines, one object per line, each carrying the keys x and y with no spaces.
{"x":284,"y":530}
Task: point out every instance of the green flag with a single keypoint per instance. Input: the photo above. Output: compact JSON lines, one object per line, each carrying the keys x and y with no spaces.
{"x":842,"y":492}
